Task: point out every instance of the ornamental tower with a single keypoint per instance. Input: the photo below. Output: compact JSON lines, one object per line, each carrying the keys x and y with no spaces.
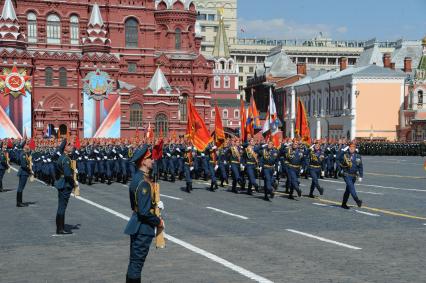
{"x":10,"y":32}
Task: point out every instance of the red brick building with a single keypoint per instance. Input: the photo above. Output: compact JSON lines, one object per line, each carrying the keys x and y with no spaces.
{"x":59,"y":43}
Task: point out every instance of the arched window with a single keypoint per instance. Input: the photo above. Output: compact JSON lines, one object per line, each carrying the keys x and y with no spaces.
{"x":213,"y":114}
{"x":32,"y":27}
{"x":53,"y":29}
{"x":135,"y":115}
{"x":63,"y":77}
{"x":161,"y":124}
{"x":132,"y":33}
{"x":178,"y":43}
{"x":225,"y":114}
{"x":48,"y":76}
{"x":222,"y":65}
{"x":420,"y":98}
{"x":217,"y":82}
{"x":183,"y":107}
{"x":227,"y":82}
{"x":74,"y":27}
{"x":236,"y":114}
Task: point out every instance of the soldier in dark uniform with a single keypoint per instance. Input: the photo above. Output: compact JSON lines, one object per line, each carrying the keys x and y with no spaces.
{"x":315,"y":159}
{"x":351,"y":164}
{"x":251,"y":161}
{"x":65,"y":184}
{"x":269,"y":157}
{"x":188,"y":158}
{"x":25,"y":171}
{"x":4,"y":164}
{"x":141,"y":226}
{"x":234,"y":157}
{"x":213,"y":165}
{"x":295,"y":158}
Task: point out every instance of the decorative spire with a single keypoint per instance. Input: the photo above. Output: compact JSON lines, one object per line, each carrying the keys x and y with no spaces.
{"x":221,"y":47}
{"x":96,"y":17}
{"x":159,"y":82}
{"x":10,"y":33}
{"x":97,"y":40}
{"x":8,"y":11}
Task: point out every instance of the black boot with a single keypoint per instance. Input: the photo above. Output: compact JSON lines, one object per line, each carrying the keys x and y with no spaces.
{"x":321,"y":190}
{"x":90,"y":181}
{"x":249,"y":191}
{"x":58,"y":225}
{"x":62,"y":230}
{"x":188,"y":187}
{"x":344,"y":205}
{"x":211,"y":187}
{"x":215,"y":186}
{"x":358,"y":202}
{"x":130,"y":280}
{"x":266,"y":195}
{"x":19,"y":202}
{"x":299,"y":192}
{"x":221,"y":183}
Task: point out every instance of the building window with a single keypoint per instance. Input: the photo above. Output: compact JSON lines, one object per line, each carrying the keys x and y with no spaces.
{"x":53,"y":29}
{"x":420,"y":98}
{"x":319,"y":106}
{"x":203,"y":48}
{"x":225,"y":114}
{"x":251,"y":69}
{"x":48,"y":76}
{"x":178,"y":43}
{"x":74,"y":30}
{"x":63,"y":77}
{"x":135,"y":115}
{"x":131,"y":33}
{"x":227,"y":82}
{"x":202,"y":17}
{"x":211,"y":18}
{"x":349,"y":101}
{"x":213,"y":114}
{"x":236,"y":114}
{"x":217,"y":82}
{"x":203,"y":29}
{"x":161,"y":124}
{"x":131,"y":67}
{"x":32,"y":27}
{"x":241,"y":69}
{"x":241,"y":79}
{"x":183,"y":108}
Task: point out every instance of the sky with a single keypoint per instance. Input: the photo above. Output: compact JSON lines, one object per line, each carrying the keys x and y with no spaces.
{"x":337,"y":19}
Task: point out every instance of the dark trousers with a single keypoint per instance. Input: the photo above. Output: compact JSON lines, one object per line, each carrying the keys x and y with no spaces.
{"x":187,"y":173}
{"x":139,"y":248}
{"x":314,"y":173}
{"x":250,"y":170}
{"x":1,"y":178}
{"x":350,"y":188}
{"x":22,"y":182}
{"x":268,"y":178}
{"x":212,"y":172}
{"x":63,"y":198}
{"x":292,"y":177}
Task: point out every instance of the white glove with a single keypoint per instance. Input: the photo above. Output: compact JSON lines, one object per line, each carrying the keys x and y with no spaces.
{"x":44,"y":160}
{"x":260,"y":169}
{"x":76,"y":171}
{"x":322,"y":174}
{"x":188,"y":148}
{"x":86,"y":157}
{"x":334,"y":156}
{"x":49,"y":160}
{"x":191,"y":168}
{"x":242,"y":167}
{"x":98,"y":158}
{"x":80,"y":158}
{"x":224,"y":162}
{"x":168,"y":154}
{"x":202,"y":154}
{"x":214,"y":147}
{"x":346,"y":148}
{"x":360,"y":179}
{"x":178,"y":149}
{"x":114,"y":150}
{"x":77,"y":152}
{"x":216,"y":167}
{"x":265,"y":145}
{"x":275,"y":173}
{"x":96,"y":151}
{"x":160,"y":205}
{"x":279,"y":168}
{"x":301,"y":171}
{"x":121,"y":156}
{"x":105,"y":157}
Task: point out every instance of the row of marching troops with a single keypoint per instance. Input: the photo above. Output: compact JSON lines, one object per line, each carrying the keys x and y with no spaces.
{"x":246,"y":164}
{"x":393,"y":148}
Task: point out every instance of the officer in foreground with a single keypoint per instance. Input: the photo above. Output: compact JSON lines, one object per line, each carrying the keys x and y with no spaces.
{"x":65,"y":184}
{"x":142,"y":223}
{"x":351,"y":164}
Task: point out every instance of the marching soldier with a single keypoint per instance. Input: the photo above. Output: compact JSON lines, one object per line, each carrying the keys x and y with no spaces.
{"x":141,"y":226}
{"x":223,"y":163}
{"x":4,"y":164}
{"x":351,"y":164}
{"x":251,"y":162}
{"x":65,"y":184}
{"x":316,"y":168}
{"x":295,"y":158}
{"x":235,"y":161}
{"x":188,"y":166}
{"x":25,"y":171}
{"x":213,"y":166}
{"x":269,"y":157}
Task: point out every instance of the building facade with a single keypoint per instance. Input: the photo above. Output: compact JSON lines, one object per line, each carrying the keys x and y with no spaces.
{"x":96,"y":65}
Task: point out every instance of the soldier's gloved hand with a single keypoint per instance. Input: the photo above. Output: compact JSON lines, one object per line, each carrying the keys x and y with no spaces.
{"x":202,"y":154}
{"x":191,"y":168}
{"x":224,"y":162}
{"x":260,"y":169}
{"x":178,"y":149}
{"x":275,"y":173}
{"x":322,"y":173}
{"x":76,"y":171}
{"x":160,"y":205}
{"x":216,"y":167}
{"x":168,"y":154}
{"x":360,"y":179}
{"x":242,"y":167}
{"x":301,"y":171}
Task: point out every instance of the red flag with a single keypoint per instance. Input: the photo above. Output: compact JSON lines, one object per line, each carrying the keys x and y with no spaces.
{"x":196,"y":129}
{"x":302,"y":125}
{"x":32,"y":144}
{"x":219,"y":137}
{"x":77,"y":142}
{"x":253,"y":121}
{"x":137,"y":133}
{"x":243,"y":133}
{"x":150,"y":132}
{"x":157,"y":151}
{"x":9,"y":143}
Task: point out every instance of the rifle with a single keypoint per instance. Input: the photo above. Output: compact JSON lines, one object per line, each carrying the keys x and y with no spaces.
{"x":160,"y":242}
{"x":76,"y":189}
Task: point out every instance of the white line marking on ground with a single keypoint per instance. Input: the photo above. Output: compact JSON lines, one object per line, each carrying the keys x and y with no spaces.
{"x":366,"y":213}
{"x":324,"y":239}
{"x":377,"y":186}
{"x":166,"y":196}
{"x":320,"y":204}
{"x":190,"y":247}
{"x":228,"y":213}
